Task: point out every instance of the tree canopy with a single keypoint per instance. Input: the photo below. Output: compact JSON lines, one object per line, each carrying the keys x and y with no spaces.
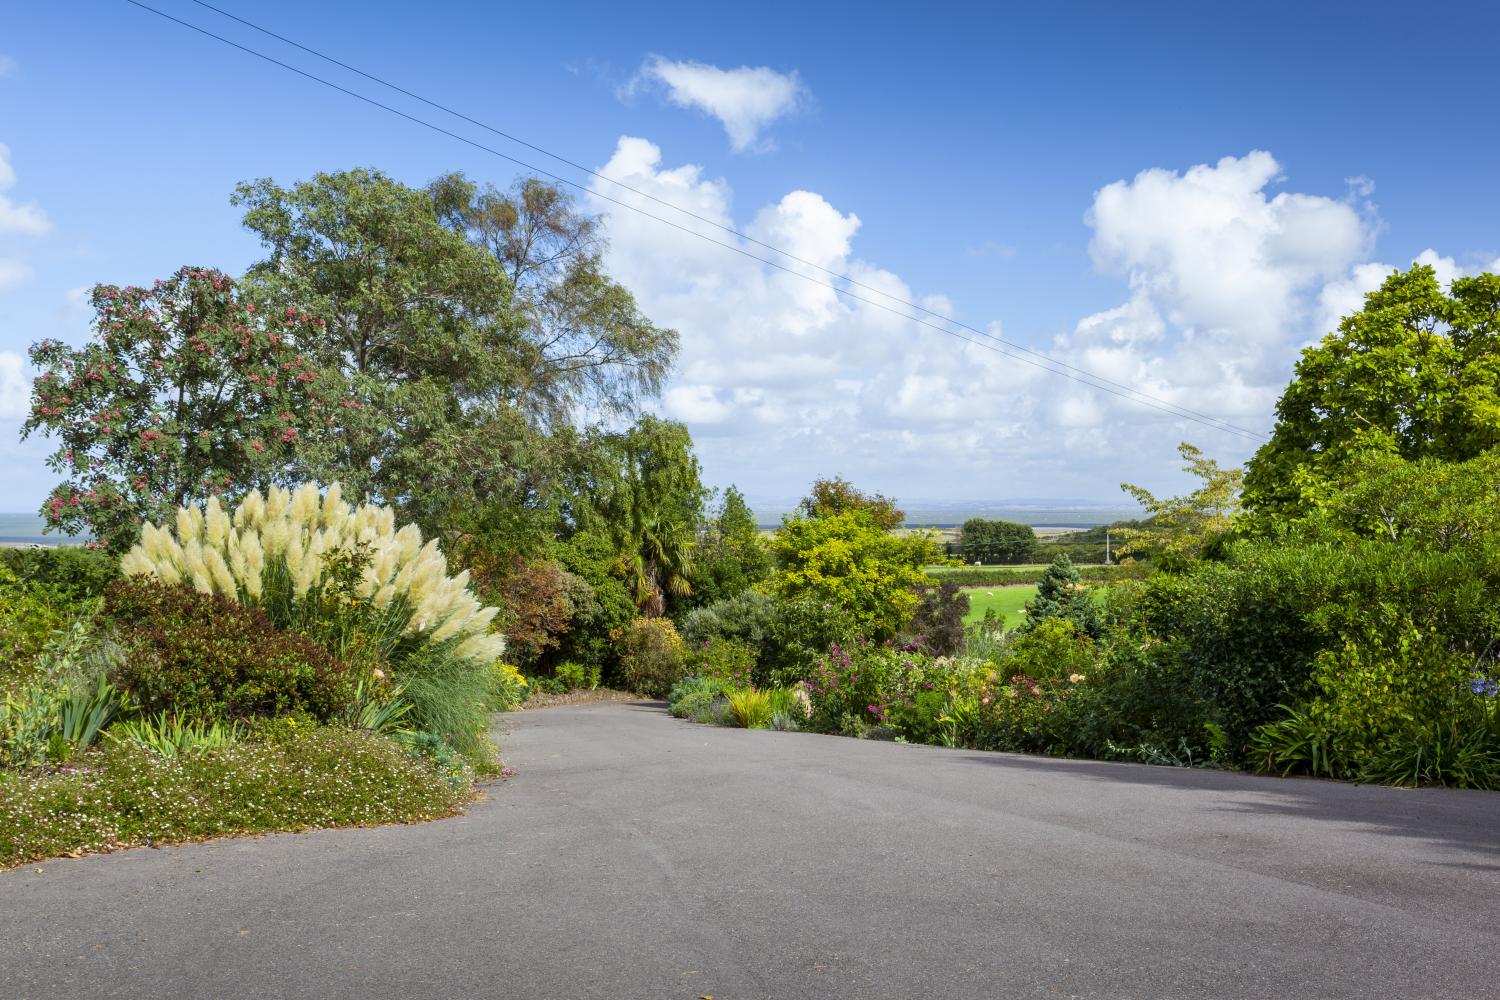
{"x":187,"y":389}
{"x":1415,"y":373}
{"x":994,"y":541}
{"x":1185,"y":526}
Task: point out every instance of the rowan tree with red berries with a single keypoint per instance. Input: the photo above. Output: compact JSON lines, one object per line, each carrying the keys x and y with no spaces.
{"x":186,"y":389}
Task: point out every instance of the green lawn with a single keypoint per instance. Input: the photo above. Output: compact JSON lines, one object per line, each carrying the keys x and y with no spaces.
{"x":1007,"y":601}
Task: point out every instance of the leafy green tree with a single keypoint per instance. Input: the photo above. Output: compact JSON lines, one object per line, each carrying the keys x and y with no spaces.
{"x":839,"y":496}
{"x":416,"y":318}
{"x":1415,"y":373}
{"x":580,"y":340}
{"x":1185,"y":526}
{"x":1440,"y":505}
{"x":644,"y":491}
{"x":992,"y":541}
{"x":849,"y":560}
{"x":187,"y":389}
{"x":731,"y":557}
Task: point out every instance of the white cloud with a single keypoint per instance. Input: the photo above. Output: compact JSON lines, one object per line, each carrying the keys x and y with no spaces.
{"x":744,"y":100}
{"x":783,"y":379}
{"x":15,"y":387}
{"x":1215,"y":253}
{"x":13,"y":273}
{"x":22,"y":220}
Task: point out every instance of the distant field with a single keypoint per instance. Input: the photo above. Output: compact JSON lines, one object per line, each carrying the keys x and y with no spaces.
{"x":1007,"y":601}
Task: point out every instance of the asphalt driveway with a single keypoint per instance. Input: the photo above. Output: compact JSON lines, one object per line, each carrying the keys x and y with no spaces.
{"x":637,"y":856}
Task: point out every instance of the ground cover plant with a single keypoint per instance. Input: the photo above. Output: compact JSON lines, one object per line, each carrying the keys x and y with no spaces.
{"x":293,"y":778}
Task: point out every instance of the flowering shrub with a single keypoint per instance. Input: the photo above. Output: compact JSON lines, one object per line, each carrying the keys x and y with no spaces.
{"x":346,"y":577}
{"x":313,"y":561}
{"x":651,"y":656}
{"x":729,"y":661}
{"x":852,"y":686}
{"x":187,"y":389}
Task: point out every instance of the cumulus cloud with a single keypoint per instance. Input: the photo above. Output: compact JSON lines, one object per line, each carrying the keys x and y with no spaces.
{"x":744,"y":100}
{"x":782,"y":379}
{"x":1215,"y":252}
{"x":15,"y":387}
{"x":21,"y":220}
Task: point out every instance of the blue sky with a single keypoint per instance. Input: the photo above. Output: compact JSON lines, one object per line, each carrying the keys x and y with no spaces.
{"x":1059,"y":171}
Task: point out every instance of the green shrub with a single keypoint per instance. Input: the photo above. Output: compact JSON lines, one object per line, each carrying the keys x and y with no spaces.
{"x":205,"y":656}
{"x":69,"y":574}
{"x":699,"y":689}
{"x":799,"y":634}
{"x":1444,"y":753}
{"x":744,"y":618}
{"x":64,"y":702}
{"x":575,"y":676}
{"x":752,"y":708}
{"x":298,"y":778}
{"x":651,"y":656}
{"x":730,"y":661}
{"x":716,"y":713}
{"x":1302,"y":742}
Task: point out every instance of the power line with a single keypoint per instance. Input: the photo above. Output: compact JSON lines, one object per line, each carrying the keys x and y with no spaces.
{"x":1135,"y":393}
{"x":1008,"y":349}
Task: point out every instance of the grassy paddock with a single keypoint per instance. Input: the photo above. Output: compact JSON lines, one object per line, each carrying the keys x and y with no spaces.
{"x":1007,"y":601}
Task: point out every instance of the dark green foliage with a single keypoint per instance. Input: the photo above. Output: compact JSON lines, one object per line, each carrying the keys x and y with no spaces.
{"x":731,"y":557}
{"x":1062,"y":594}
{"x":68,"y":573}
{"x":937,"y":627}
{"x":207,"y":657}
{"x":986,"y":541}
{"x":606,"y":606}
{"x":798,"y":635}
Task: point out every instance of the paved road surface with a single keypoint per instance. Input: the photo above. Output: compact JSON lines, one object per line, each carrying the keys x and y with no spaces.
{"x":638,"y":856}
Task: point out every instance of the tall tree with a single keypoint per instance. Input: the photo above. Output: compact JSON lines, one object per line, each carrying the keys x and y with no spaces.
{"x":994,"y":541}
{"x":581,"y":343}
{"x":730,"y":556}
{"x":839,"y":496}
{"x":1415,"y":373}
{"x":643,"y":489}
{"x":418,"y":320}
{"x":186,"y":389}
{"x":1185,"y":526}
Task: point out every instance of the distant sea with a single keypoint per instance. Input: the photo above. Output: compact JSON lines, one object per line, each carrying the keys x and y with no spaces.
{"x":1071,"y":515}
{"x":26,"y":529}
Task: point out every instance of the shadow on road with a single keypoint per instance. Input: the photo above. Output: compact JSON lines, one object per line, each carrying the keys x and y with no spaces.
{"x":1465,"y":819}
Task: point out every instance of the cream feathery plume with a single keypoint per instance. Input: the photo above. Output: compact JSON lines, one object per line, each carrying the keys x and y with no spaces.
{"x":215,"y":523}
